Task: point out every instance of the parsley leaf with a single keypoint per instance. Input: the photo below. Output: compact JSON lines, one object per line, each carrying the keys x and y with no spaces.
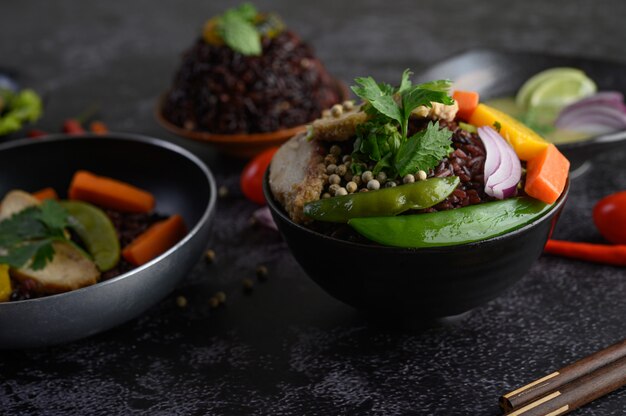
{"x":29,"y":234}
{"x":383,"y":138}
{"x":378,"y":97}
{"x":424,"y":150}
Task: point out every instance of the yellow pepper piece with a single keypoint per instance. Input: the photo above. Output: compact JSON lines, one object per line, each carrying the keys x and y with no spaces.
{"x":5,"y":283}
{"x":210,"y":33}
{"x":526,"y":143}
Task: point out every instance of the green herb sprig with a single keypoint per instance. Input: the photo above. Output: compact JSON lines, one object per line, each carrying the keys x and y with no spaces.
{"x":29,"y":234}
{"x":384,"y":137}
{"x":236,"y":27}
{"x":17,"y":108}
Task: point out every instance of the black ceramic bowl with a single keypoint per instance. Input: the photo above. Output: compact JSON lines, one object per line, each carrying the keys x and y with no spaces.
{"x":494,"y":74}
{"x":427,"y":283}
{"x":181,"y":184}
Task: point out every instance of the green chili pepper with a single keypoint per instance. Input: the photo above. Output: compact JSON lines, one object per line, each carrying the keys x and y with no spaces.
{"x":384,"y":202}
{"x":447,"y":228}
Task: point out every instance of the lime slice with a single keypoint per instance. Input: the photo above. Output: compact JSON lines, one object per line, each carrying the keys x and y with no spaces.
{"x":560,"y":91}
{"x":96,"y":231}
{"x":574,"y":82}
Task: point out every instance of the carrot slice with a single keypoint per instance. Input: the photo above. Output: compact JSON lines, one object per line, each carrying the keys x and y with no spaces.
{"x":46,"y":193}
{"x":157,"y":239}
{"x":109,"y":193}
{"x":467,"y":101}
{"x":546,"y":175}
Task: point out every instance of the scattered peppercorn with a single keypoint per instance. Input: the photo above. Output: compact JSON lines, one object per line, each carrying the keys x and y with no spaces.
{"x":336,"y":110}
{"x":210,"y":256}
{"x":341,"y":191}
{"x":422,"y":175}
{"x":247,"y":284}
{"x":221,"y":296}
{"x":334,"y":179}
{"x":261,"y":272}
{"x":214,"y":302}
{"x":373,"y":185}
{"x":367,"y":176}
{"x":408,"y":178}
{"x":222,"y":191}
{"x":181,"y":301}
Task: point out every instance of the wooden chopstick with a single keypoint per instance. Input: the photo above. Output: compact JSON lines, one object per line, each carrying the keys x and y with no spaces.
{"x":579,"y":392}
{"x":556,"y":381}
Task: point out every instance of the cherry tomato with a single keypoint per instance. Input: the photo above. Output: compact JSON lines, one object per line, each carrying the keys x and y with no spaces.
{"x":72,"y":126}
{"x":609,"y":214}
{"x":251,"y":181}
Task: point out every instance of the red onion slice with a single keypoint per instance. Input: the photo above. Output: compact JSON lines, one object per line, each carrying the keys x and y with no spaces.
{"x":502,"y":182}
{"x":603,"y":112}
{"x":492,"y":160}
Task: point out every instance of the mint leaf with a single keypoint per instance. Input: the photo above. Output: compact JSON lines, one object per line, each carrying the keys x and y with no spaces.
{"x":239,"y":34}
{"x":246,"y":11}
{"x":379,"y":97}
{"x":424,"y":150}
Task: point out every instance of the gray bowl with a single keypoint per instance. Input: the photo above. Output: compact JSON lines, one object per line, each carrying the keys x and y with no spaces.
{"x":181,"y":184}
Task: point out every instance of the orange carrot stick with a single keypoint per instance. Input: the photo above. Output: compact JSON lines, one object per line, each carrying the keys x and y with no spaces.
{"x":157,"y":239}
{"x":109,"y":193}
{"x":98,"y":127}
{"x":547,"y":175}
{"x":46,"y":193}
{"x":614,"y":255}
{"x":467,"y":101}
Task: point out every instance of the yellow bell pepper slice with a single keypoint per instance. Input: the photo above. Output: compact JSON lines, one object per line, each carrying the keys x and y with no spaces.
{"x":526,"y":143}
{"x":5,"y":283}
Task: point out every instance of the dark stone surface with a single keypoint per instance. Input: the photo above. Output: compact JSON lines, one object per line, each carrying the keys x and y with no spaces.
{"x":288,"y":348}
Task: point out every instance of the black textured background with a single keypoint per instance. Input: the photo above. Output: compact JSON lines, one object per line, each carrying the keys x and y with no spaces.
{"x":288,"y":348}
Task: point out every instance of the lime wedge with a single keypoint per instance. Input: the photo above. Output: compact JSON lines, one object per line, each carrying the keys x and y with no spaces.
{"x":96,"y":231}
{"x":574,"y":84}
{"x":560,"y":91}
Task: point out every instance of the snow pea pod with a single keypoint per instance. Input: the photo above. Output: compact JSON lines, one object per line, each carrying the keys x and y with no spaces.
{"x":447,"y":228}
{"x":384,"y":202}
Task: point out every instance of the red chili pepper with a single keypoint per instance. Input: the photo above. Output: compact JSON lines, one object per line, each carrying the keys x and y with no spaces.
{"x":72,"y":126}
{"x":35,"y":133}
{"x":98,"y":127}
{"x":614,"y":255}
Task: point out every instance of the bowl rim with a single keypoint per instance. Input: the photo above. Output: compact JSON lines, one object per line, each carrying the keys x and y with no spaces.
{"x":122,"y":137}
{"x":277,"y":209}
{"x":238,"y":138}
